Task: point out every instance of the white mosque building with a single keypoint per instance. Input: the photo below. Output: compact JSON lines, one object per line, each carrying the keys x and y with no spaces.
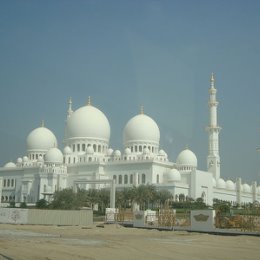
{"x":87,"y":157}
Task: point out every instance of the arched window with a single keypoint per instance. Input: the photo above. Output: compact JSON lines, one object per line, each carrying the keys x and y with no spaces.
{"x":90,"y":159}
{"x":157,"y":178}
{"x":2,"y":198}
{"x":140,"y":148}
{"x":143,"y":178}
{"x":78,"y":147}
{"x":125,"y":179}
{"x":69,"y":160}
{"x":74,"y":147}
{"x":12,"y":182}
{"x":4,"y":182}
{"x":120,"y":179}
{"x":114,"y":178}
{"x":136,"y":148}
{"x":8,"y":183}
{"x":131,"y":179}
{"x":95,"y":147}
{"x":99,"y":148}
{"x":83,"y":147}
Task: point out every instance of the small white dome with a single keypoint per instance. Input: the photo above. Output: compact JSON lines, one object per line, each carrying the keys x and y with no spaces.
{"x":221,"y":183}
{"x":173,"y":175}
{"x":90,"y":150}
{"x":146,"y":151}
{"x":127,"y":151}
{"x":230,"y":185}
{"x":141,"y":128}
{"x":25,"y":159}
{"x":110,"y":151}
{"x":41,"y":139}
{"x":188,"y":158}
{"x":54,"y":155}
{"x":214,"y":182}
{"x":10,"y":165}
{"x":88,"y":122}
{"x":161,"y":153}
{"x":67,"y":150}
{"x":40,"y":159}
{"x":246,"y":188}
{"x":117,"y":153}
{"x":19,"y":160}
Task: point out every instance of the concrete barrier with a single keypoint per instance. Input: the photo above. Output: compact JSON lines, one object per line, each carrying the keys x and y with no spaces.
{"x":46,"y":217}
{"x":202,"y":220}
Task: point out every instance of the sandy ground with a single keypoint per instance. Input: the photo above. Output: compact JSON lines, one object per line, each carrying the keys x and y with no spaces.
{"x":117,"y":242}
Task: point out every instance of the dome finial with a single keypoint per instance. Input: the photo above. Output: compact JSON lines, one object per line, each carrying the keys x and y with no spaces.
{"x":42,"y":123}
{"x":70,"y":111}
{"x":89,"y":101}
{"x":187,"y":147}
{"x":142,"y":110}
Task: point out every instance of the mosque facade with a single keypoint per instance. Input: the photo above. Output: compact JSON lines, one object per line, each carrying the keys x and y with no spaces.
{"x":87,"y":157}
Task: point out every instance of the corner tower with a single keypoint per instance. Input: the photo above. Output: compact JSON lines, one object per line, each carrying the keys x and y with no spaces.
{"x":213,"y":160}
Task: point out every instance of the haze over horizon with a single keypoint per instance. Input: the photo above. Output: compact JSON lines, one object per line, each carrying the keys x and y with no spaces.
{"x":125,"y":54}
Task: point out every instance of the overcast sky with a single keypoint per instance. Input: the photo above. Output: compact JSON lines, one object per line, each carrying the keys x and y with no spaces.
{"x":125,"y":54}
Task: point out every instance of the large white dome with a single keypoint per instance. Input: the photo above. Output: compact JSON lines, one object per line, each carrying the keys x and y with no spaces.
{"x":141,"y":128}
{"x":187,"y":158}
{"x":88,"y":122}
{"x":41,"y":139}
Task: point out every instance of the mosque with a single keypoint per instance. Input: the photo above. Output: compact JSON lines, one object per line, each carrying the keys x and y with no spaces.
{"x":87,"y":161}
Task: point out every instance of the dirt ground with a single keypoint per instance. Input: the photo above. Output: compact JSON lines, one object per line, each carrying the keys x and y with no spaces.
{"x":117,"y":242}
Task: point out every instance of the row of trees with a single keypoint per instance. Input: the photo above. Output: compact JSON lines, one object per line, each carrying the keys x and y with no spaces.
{"x":146,"y":196}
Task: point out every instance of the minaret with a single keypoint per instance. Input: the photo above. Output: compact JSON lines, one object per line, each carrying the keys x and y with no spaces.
{"x":69,"y":113}
{"x":213,"y":160}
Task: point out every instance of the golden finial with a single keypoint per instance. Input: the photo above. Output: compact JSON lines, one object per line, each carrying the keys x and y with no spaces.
{"x":42,"y":124}
{"x":70,"y":100}
{"x":89,"y":101}
{"x":187,"y":147}
{"x":142,"y":110}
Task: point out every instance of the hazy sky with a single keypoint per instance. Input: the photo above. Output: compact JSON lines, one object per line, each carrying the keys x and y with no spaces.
{"x":125,"y":54}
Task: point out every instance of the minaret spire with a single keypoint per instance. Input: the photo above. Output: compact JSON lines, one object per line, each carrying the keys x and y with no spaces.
{"x":213,"y":160}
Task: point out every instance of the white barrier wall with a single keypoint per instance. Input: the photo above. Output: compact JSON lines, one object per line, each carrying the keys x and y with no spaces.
{"x":13,"y":216}
{"x":139,"y":218}
{"x":46,"y":217}
{"x":202,"y":220}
